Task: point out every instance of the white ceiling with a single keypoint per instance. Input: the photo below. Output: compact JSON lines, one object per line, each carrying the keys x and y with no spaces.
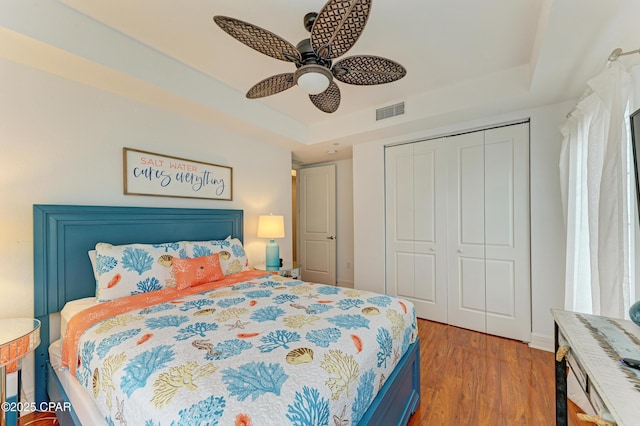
{"x":464,"y":58}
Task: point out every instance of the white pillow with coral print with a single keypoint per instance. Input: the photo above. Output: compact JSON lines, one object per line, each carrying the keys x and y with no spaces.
{"x":232,"y":255}
{"x":134,"y":268}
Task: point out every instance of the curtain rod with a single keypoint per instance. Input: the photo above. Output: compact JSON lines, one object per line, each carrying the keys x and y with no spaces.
{"x":618,"y":52}
{"x":613,"y":56}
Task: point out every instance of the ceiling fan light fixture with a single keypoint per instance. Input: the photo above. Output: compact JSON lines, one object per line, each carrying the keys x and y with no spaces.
{"x":313,"y":79}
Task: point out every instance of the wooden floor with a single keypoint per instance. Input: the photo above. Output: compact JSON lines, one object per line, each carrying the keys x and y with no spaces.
{"x":473,"y":379}
{"x":470,"y":378}
{"x":38,"y":419}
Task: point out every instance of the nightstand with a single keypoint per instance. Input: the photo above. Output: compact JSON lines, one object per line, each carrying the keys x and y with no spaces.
{"x":592,"y":347}
{"x":288,"y":269}
{"x":18,"y":338}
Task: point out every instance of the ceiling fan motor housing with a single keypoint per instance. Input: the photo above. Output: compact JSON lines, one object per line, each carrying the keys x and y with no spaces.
{"x":309,"y":56}
{"x":311,"y":63}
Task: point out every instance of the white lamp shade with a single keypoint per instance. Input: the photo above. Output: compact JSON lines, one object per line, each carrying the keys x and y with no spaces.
{"x":313,"y":83}
{"x":271,"y":226}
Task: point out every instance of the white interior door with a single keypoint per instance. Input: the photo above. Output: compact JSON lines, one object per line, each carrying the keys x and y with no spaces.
{"x":466,"y":245}
{"x":507,"y":239}
{"x":457,"y":229}
{"x":416,"y":231}
{"x":317,"y":221}
{"x":489,"y":282}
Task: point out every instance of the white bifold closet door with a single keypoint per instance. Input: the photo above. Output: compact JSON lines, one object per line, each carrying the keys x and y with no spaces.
{"x":416,"y":228}
{"x":458,"y":229}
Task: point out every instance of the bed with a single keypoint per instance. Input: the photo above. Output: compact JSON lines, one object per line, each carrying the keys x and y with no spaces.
{"x":317,"y":319}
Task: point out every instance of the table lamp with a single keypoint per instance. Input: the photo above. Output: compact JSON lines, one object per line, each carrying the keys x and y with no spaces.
{"x":271,"y":227}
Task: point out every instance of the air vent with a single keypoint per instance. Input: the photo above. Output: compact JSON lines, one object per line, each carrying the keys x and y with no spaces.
{"x":389,"y":111}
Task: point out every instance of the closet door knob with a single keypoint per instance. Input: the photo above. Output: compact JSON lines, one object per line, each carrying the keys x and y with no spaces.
{"x":460,"y":250}
{"x":433,"y":249}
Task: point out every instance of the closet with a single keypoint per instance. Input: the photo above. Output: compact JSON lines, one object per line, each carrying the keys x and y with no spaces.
{"x":457,"y":229}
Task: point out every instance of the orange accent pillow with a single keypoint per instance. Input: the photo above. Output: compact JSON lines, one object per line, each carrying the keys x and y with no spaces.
{"x":199,"y":270}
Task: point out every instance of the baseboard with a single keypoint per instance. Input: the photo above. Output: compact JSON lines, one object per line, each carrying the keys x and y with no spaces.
{"x":541,"y":342}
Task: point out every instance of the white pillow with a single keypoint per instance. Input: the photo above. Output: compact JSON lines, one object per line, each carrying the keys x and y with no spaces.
{"x":73,"y":307}
{"x":134,"y":268}
{"x":232,"y":255}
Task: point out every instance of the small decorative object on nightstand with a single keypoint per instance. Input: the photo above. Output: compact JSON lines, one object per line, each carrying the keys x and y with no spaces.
{"x":18,"y":337}
{"x":271,"y":227}
{"x":288,"y":269}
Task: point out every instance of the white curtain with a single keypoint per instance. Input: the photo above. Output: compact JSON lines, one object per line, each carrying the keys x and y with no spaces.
{"x":596,"y":194}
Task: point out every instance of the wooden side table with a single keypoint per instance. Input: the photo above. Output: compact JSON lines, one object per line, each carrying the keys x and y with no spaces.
{"x":18,"y":338}
{"x":593,"y":346}
{"x":288,"y":269}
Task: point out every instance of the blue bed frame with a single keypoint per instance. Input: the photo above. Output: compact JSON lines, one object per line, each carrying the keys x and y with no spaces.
{"x":63,"y":234}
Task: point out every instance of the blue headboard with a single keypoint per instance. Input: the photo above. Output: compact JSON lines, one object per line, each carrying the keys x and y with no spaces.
{"x":62,"y":236}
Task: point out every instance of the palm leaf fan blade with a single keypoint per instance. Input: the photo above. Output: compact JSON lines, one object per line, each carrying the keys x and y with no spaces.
{"x":338,"y":26}
{"x":329,"y":100}
{"x":258,"y":38}
{"x":367,"y":70}
{"x":271,"y":85}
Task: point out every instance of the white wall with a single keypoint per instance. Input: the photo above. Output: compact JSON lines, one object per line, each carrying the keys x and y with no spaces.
{"x":62,"y":144}
{"x":344,"y":194}
{"x":547,"y":226}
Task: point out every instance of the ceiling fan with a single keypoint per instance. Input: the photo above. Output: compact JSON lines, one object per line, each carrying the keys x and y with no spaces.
{"x":334,"y":30}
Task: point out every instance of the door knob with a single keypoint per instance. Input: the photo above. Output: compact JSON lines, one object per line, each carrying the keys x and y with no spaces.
{"x":331,"y":237}
{"x":460,"y":250}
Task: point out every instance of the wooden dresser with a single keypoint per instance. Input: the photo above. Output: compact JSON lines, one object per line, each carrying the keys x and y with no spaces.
{"x":592,"y":346}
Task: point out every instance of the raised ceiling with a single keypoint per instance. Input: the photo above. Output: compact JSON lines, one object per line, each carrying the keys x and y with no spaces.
{"x":464,"y":58}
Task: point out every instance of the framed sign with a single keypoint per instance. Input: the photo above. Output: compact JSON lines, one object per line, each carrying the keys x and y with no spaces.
{"x":147,"y":173}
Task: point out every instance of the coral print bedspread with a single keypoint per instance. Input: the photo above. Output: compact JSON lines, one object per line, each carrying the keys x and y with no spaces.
{"x":264,"y":351}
